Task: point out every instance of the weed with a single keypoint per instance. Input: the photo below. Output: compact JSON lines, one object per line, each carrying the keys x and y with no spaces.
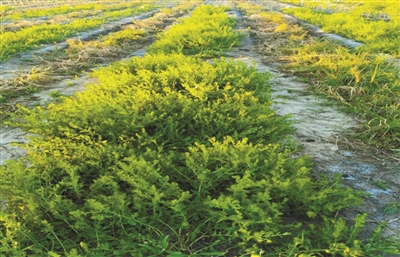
{"x":158,"y":159}
{"x":31,"y":89}
{"x":391,"y":209}
{"x":206,"y":33}
{"x":55,"y":94}
{"x":379,"y":183}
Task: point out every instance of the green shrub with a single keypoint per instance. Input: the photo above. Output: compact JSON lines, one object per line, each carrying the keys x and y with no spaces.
{"x":153,"y":162}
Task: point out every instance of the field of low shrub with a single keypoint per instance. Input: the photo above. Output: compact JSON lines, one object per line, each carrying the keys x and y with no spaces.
{"x":168,"y":155}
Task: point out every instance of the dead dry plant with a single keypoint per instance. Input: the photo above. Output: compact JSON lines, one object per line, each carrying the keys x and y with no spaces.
{"x":275,"y":36}
{"x":347,"y":93}
{"x":23,"y":81}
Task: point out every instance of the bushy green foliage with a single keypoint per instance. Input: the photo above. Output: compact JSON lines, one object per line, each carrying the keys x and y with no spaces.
{"x":153,"y":161}
{"x":207,"y":32}
{"x":122,"y":36}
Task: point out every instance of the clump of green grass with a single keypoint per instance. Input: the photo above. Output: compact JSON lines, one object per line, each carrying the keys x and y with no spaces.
{"x":55,"y":94}
{"x":379,"y":183}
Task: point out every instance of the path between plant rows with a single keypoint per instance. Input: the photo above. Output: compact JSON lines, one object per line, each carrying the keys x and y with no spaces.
{"x":320,"y":127}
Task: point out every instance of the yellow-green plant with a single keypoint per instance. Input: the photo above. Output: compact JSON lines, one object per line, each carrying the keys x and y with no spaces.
{"x":207,"y":32}
{"x":166,"y":155}
{"x":379,"y":36}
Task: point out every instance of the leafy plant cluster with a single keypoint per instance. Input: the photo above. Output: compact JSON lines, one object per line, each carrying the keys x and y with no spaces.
{"x":31,"y":37}
{"x":156,"y":160}
{"x":207,"y":32}
{"x":168,"y":155}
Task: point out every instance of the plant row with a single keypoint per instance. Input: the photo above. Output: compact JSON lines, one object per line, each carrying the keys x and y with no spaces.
{"x":388,"y":7}
{"x":32,"y":37}
{"x":15,"y":14}
{"x":378,"y":35}
{"x":168,"y":155}
{"x":203,"y":34}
